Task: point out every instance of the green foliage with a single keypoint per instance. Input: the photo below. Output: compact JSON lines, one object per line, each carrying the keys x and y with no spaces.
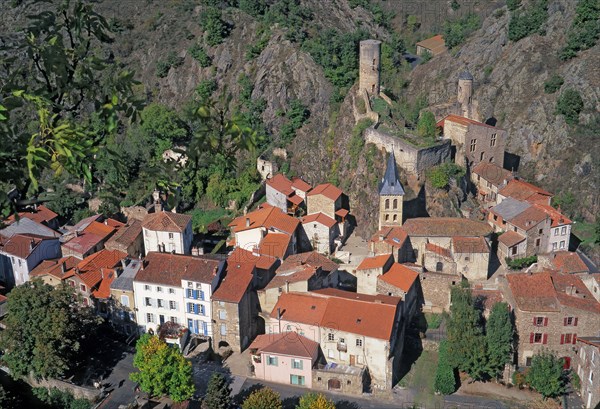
{"x":575,"y":381}
{"x":426,"y":57}
{"x":296,"y":115}
{"x":569,"y":105}
{"x":455,"y":5}
{"x":445,"y":379}
{"x":44,"y":330}
{"x":380,"y":106}
{"x":439,"y":176}
{"x":162,"y":370}
{"x":199,"y":54}
{"x":217,"y":393}
{"x":553,"y":84}
{"x":513,"y":4}
{"x":215,"y":29}
{"x":202,"y":218}
{"x":55,"y":398}
{"x":291,"y":15}
{"x":337,"y":53}
{"x":528,"y":21}
{"x":521,"y":263}
{"x":466,"y":342}
{"x":206,"y":88}
{"x":585,"y":29}
{"x":499,"y":337}
{"x":315,"y":401}
{"x":426,"y":127}
{"x":255,"y":8}
{"x":546,"y":375}
{"x":255,"y":49}
{"x":357,"y":141}
{"x":597,"y":230}
{"x":410,"y":111}
{"x":433,"y":320}
{"x":264,"y":398}
{"x":64,"y":201}
{"x":172,"y":60}
{"x":456,"y":32}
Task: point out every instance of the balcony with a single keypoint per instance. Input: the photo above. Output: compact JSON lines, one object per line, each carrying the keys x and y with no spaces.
{"x":342,"y":347}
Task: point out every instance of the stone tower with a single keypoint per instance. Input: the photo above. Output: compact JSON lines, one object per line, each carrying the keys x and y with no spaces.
{"x":465,"y":93}
{"x":370,"y":55}
{"x":391,"y":194}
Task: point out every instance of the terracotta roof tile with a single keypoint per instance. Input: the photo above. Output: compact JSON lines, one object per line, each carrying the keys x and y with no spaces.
{"x":295,"y":199}
{"x":529,"y":218}
{"x":440,"y":251}
{"x":295,"y":276}
{"x":170,"y":269}
{"x":568,"y":262}
{"x":281,"y":184}
{"x":22,"y":245}
{"x":558,"y":219}
{"x":445,"y":227}
{"x":287,"y":343}
{"x":54,"y":267}
{"x":510,"y":238}
{"x":298,"y":183}
{"x":520,"y":190}
{"x":375,"y":262}
{"x":274,"y":244}
{"x":394,"y":236}
{"x":436,"y":44}
{"x":126,"y":235}
{"x":342,"y":212}
{"x":83,"y":243}
{"x":99,"y":229}
{"x":236,"y":282}
{"x":319,"y":218}
{"x":492,"y":173}
{"x":464,"y":121}
{"x":326,"y":189}
{"x":572,"y":292}
{"x":40,"y":215}
{"x":262,"y":262}
{"x":311,"y":258}
{"x":533,"y":292}
{"x":400,"y":276}
{"x":103,"y":291}
{"x":470,"y":245}
{"x":94,"y":268}
{"x":267,"y":217}
{"x":167,"y":221}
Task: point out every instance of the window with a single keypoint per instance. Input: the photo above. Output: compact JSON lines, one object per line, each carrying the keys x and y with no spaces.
{"x":124,"y":300}
{"x":190,"y":285}
{"x":513,"y":250}
{"x":171,"y":291}
{"x":272,"y":360}
{"x":82,"y":288}
{"x":173,"y":320}
{"x":562,"y":244}
{"x":222,"y":314}
{"x":19,"y":262}
{"x":159,"y":289}
{"x":148,"y":302}
{"x":568,"y":321}
{"x":149,"y":317}
{"x":556,"y":231}
{"x":330,"y":337}
{"x":439,"y":267}
{"x":537,"y":338}
{"x":86,"y":302}
{"x":342,"y":341}
{"x":554,"y":246}
{"x":563,"y":231}
{"x":160,"y":303}
{"x":473,"y":145}
{"x":72,"y":283}
{"x":288,"y":327}
{"x":223,"y":329}
{"x":147,"y":287}
{"x":387,"y":204}
{"x":172,"y":305}
{"x":297,"y":363}
{"x":296,"y":380}
{"x":566,"y":339}
{"x":387,"y":217}
{"x":359,"y":342}
{"x":528,"y":361}
{"x":170,"y":235}
{"x":467,"y":259}
{"x":537,"y":242}
{"x":395,"y":204}
{"x":538,"y":321}
{"x":395,"y":218}
{"x":540,"y":231}
{"x":482,"y":156}
{"x":495,"y":217}
{"x":493,"y":140}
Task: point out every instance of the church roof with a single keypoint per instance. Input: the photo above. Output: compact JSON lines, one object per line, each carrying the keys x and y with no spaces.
{"x":390,"y":184}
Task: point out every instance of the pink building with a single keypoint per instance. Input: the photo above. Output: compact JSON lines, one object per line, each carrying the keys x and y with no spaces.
{"x":284,"y":358}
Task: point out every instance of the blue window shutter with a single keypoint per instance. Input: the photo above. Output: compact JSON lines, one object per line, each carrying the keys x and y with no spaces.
{"x":202,"y":295}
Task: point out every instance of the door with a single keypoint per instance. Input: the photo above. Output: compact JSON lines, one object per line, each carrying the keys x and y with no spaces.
{"x":162,"y":319}
{"x":334,"y":384}
{"x":352,"y":360}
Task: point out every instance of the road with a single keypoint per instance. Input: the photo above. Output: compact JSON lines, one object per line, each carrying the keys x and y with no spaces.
{"x":120,"y":388}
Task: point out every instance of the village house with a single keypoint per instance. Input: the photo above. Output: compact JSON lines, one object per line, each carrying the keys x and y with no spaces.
{"x":265,"y":265}
{"x":524,"y":191}
{"x":122,"y":299}
{"x":27,"y":226}
{"x":592,"y":282}
{"x":564,"y":262}
{"x":299,"y":273}
{"x":401,"y":281}
{"x":21,"y":253}
{"x":286,"y":358}
{"x":488,"y":178}
{"x":266,"y":231}
{"x":588,"y":370}
{"x":358,"y":330}
{"x":392,"y":240}
{"x":559,"y":236}
{"x":234,"y":308}
{"x":88,"y":236}
{"x":287,"y":195}
{"x":436,"y":288}
{"x":329,"y":200}
{"x":168,"y":232}
{"x":39,"y":214}
{"x":391,"y":196}
{"x":176,"y":288}
{"x":434,"y":46}
{"x":319,"y":233}
{"x":369,"y":270}
{"x":475,"y":141}
{"x":552,"y":310}
{"x":128,"y":239}
{"x":52,"y":272}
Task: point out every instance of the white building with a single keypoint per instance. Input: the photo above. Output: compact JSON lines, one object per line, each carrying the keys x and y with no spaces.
{"x":168,"y":232}
{"x":176,"y":288}
{"x":21,"y":253}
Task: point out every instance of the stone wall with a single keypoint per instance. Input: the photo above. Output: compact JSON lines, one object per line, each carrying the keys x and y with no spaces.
{"x":436,"y":290}
{"x":351,"y":382}
{"x":90,"y":394}
{"x":411,"y":159}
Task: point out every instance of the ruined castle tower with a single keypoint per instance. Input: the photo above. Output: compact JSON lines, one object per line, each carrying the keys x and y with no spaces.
{"x":370,"y":55}
{"x":465,"y":94}
{"x":391,"y":195}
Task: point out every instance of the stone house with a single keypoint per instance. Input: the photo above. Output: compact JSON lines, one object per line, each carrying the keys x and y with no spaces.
{"x":402,"y":281}
{"x":564,"y":262}
{"x":318,"y":233}
{"x":523,"y":191}
{"x":286,"y":358}
{"x":167,"y":232}
{"x":176,"y":288}
{"x":287,"y":195}
{"x":472,"y":257}
{"x":52,"y":272}
{"x":329,"y":200}
{"x":436,"y":288}
{"x":234,"y":308}
{"x":474,"y":141}
{"x":128,"y":239}
{"x":559,"y":236}
{"x":265,"y":265}
{"x":21,"y":253}
{"x":592,"y":282}
{"x":369,"y":270}
{"x":122,"y":301}
{"x":391,"y":240}
{"x":588,"y":370}
{"x":266,"y":168}
{"x":488,"y":178}
{"x":434,"y":45}
{"x":552,"y":310}
{"x":358,"y":330}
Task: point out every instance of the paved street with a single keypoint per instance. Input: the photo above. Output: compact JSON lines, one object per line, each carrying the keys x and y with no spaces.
{"x":120,"y":388}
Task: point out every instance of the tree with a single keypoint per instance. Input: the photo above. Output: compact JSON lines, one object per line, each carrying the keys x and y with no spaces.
{"x":55,"y":398}
{"x":162,"y":370}
{"x":426,"y":126}
{"x":546,"y":375}
{"x":45,"y":329}
{"x":597,"y":230}
{"x":499,"y":338}
{"x":553,"y":84}
{"x":264,"y":398}
{"x":445,"y":380}
{"x":315,"y":401}
{"x":217,"y":393}
{"x":569,"y":105}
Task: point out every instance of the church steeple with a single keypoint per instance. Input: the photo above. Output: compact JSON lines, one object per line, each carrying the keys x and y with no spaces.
{"x":391,"y":194}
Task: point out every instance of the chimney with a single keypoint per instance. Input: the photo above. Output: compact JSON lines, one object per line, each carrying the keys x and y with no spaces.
{"x":247,"y":222}
{"x":31,"y":244}
{"x":102,"y":272}
{"x":381,"y":238}
{"x":106,"y":222}
{"x":77,"y":233}
{"x":63,"y":267}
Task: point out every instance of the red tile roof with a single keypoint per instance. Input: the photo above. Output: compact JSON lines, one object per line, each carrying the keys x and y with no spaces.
{"x":394,"y":236}
{"x":572,"y":292}
{"x":94,"y":268}
{"x":492,"y":173}
{"x":445,"y":227}
{"x":510,"y":238}
{"x":99,"y":229}
{"x":558,"y":219}
{"x":22,"y":245}
{"x":103,"y":291}
{"x":298,"y":183}
{"x":287,"y":343}
{"x":400,"y":276}
{"x":170,"y":269}
{"x":470,"y":245}
{"x":295,"y":199}
{"x":326,"y":189}
{"x":319,"y":218}
{"x":40,"y":215}
{"x":167,"y":221}
{"x":311,"y":258}
{"x":463,"y":121}
{"x":54,"y":267}
{"x":281,"y":184}
{"x":440,"y":251}
{"x":520,"y":190}
{"x":236,"y":282}
{"x":436,"y":44}
{"x":375,"y":262}
{"x":529,"y":218}
{"x":568,"y":262}
{"x":295,"y":276}
{"x":342,"y":212}
{"x":262,"y":262}
{"x":126,"y":235}
{"x":274,"y":244}
{"x":267,"y":217}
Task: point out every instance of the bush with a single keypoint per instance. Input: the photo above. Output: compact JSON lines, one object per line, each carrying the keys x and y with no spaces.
{"x":163,"y":66}
{"x":569,"y":105}
{"x":58,"y":399}
{"x":513,"y":4}
{"x":206,"y":88}
{"x":258,"y":47}
{"x":297,"y":114}
{"x":529,"y":21}
{"x":315,"y":401}
{"x":445,"y":379}
{"x":426,"y":57}
{"x":439,"y":176}
{"x":264,"y":398}
{"x":357,"y":141}
{"x":585,"y":29}
{"x":521,"y":263}
{"x":456,"y":32}
{"x":214,"y":27}
{"x":433,"y":320}
{"x":426,"y":127}
{"x":553,"y":84}
{"x":202,"y":218}
{"x":255,"y":8}
{"x":199,"y":54}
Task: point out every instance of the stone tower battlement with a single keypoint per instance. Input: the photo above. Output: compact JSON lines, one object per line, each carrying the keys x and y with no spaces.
{"x":369,"y":66}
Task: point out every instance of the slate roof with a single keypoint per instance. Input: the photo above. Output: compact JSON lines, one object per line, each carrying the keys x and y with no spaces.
{"x":400,"y":276}
{"x":124,"y":281}
{"x":465,"y":75}
{"x":169,"y":269}
{"x":445,"y":227}
{"x":28,"y":226}
{"x":390,"y":183}
{"x":510,"y":208}
{"x":166,"y":221}
{"x":287,"y":343}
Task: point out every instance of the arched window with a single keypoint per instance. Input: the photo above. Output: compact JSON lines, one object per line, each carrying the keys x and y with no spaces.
{"x":387,"y":204}
{"x":387,"y":217}
{"x":395,"y":218}
{"x":395,"y":203}
{"x":439,"y":267}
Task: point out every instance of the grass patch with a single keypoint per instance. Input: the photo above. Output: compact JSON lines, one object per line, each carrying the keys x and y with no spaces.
{"x":380,"y":106}
{"x":421,"y":377}
{"x":433,"y":320}
{"x":202,"y":218}
{"x":585,"y":232}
